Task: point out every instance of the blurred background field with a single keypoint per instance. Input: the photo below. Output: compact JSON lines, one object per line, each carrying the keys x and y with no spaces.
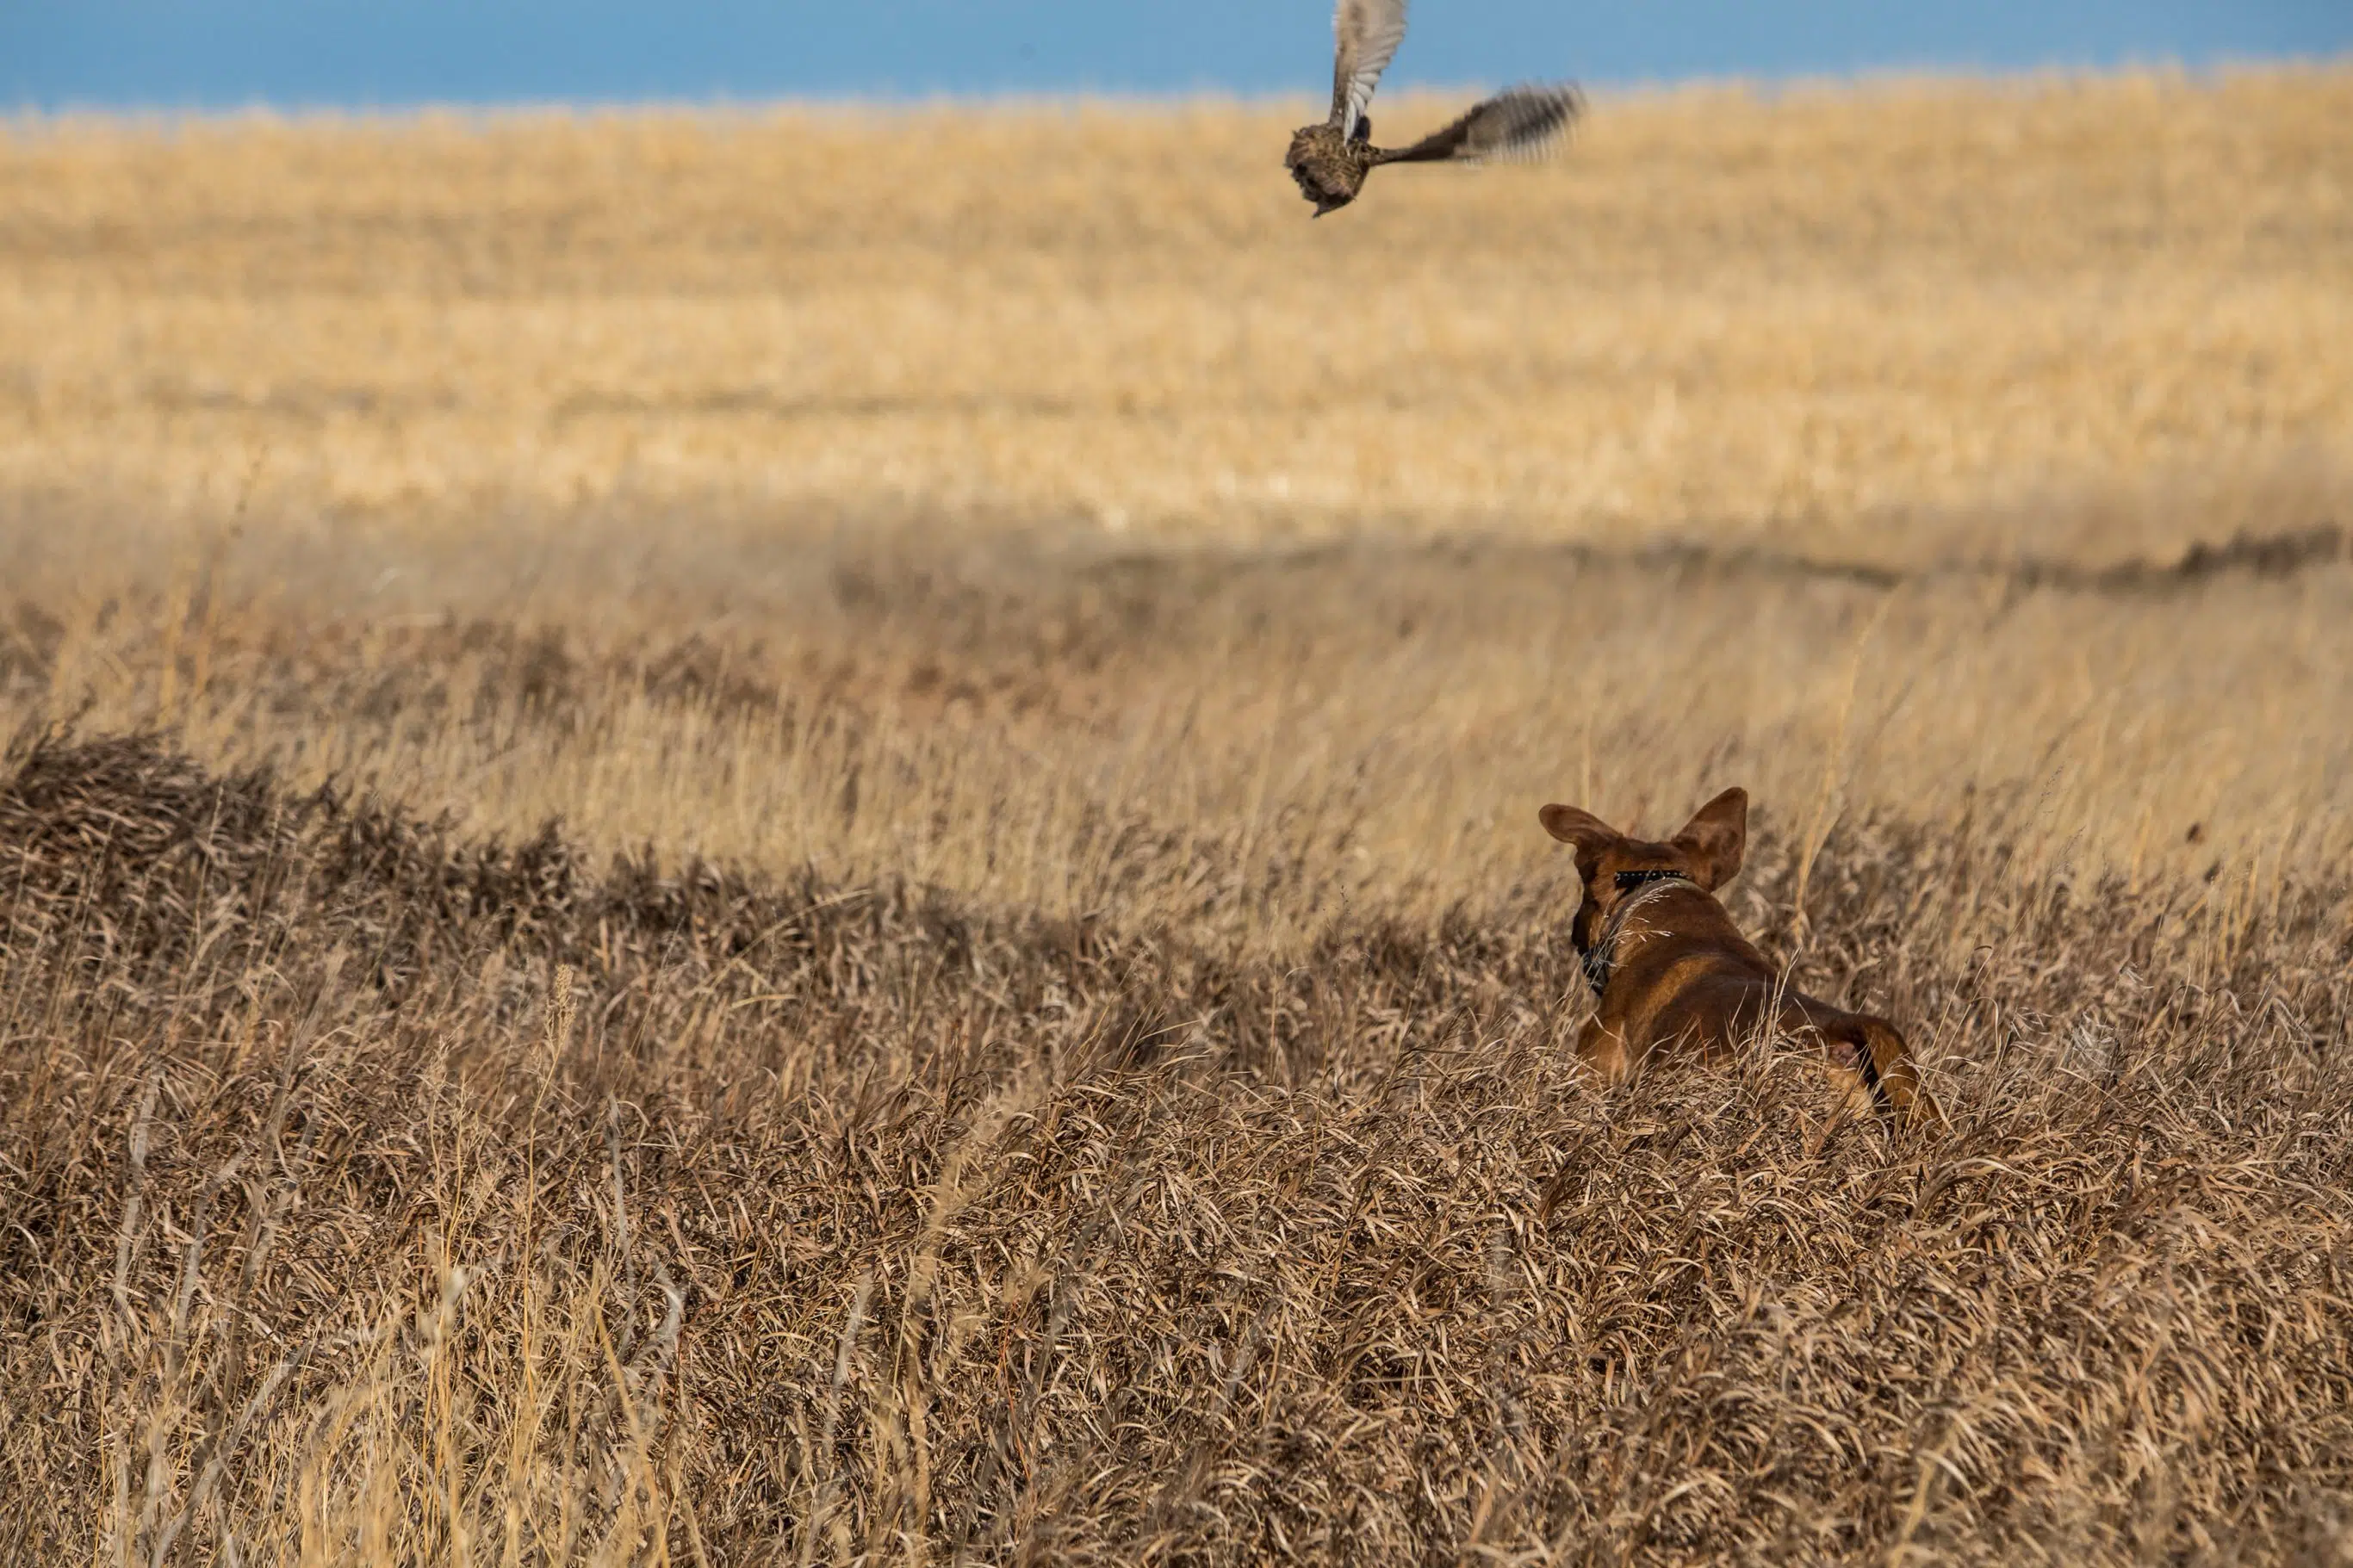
{"x":806,"y":834}
{"x":1824,"y":313}
{"x":1882,"y":365}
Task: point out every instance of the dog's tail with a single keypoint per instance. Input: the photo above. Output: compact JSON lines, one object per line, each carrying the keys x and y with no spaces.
{"x":1884,"y":1061}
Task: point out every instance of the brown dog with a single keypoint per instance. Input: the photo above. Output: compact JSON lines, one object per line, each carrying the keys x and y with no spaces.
{"x":1669,"y":968}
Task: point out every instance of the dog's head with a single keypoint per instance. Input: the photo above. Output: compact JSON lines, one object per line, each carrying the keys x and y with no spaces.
{"x":1707,"y":850}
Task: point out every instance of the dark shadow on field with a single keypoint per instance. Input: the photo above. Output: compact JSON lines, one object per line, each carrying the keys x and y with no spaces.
{"x":2275,"y":555}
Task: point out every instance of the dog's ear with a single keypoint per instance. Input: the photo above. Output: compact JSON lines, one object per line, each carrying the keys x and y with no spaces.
{"x":1588,"y":831}
{"x":1716,"y":838}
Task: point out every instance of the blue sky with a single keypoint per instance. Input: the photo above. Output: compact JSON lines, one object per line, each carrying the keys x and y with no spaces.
{"x":224,"y":53}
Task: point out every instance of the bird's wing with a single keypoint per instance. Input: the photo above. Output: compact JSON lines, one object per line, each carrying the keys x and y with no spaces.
{"x":1366,"y":33}
{"x":1522,"y":123}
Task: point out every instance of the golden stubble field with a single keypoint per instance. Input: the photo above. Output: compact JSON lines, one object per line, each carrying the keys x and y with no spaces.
{"x":1819,"y":312}
{"x":806,"y":835}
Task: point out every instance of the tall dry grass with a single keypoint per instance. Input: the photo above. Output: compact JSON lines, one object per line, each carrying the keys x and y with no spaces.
{"x":699,"y":864}
{"x":379,"y":1195}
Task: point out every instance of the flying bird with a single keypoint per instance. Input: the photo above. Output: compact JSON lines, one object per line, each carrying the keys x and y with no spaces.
{"x":1330,"y":160}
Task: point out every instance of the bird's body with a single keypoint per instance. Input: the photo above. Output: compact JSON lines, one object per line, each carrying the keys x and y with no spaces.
{"x":1330,"y":168}
{"x":1331,"y":160}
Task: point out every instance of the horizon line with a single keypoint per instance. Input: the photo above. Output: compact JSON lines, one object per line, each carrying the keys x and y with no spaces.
{"x":1762,"y":83}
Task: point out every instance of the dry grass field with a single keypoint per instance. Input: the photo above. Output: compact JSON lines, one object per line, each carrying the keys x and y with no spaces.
{"x":810,"y":836}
